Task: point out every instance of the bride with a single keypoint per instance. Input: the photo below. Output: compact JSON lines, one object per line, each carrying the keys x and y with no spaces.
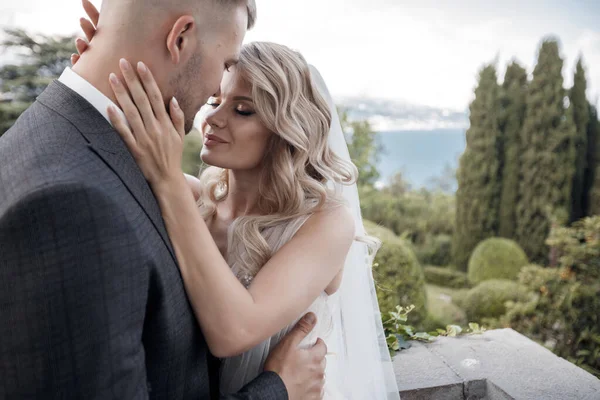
{"x":275,"y":219}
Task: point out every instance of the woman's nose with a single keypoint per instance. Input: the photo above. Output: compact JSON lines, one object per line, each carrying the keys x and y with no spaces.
{"x":216,"y":118}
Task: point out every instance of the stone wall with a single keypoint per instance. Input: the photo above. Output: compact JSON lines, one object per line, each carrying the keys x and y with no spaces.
{"x":499,"y":364}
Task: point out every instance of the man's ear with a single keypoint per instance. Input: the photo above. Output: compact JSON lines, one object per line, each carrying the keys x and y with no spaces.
{"x":181,"y":41}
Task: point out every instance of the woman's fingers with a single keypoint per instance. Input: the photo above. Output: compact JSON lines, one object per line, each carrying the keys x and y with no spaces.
{"x":91,"y":11}
{"x":81,"y":45}
{"x":177,"y":117}
{"x":88,"y":28}
{"x":130,"y":110}
{"x":156,"y":99}
{"x":119,"y":123}
{"x":137,"y":92}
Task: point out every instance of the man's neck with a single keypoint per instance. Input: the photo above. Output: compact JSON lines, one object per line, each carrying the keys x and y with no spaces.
{"x":95,"y":69}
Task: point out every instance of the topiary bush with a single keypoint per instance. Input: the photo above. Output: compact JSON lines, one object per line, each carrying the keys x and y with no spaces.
{"x":398,"y":275}
{"x":488,"y":299}
{"x":437,"y":250}
{"x":445,"y":277}
{"x":496,"y":258}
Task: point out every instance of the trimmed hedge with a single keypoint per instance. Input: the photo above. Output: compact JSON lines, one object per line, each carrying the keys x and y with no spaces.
{"x":496,"y":258}
{"x":487,"y":300}
{"x":445,"y":277}
{"x":398,"y":275}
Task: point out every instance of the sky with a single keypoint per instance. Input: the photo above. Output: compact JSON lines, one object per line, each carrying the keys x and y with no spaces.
{"x":425,"y":52}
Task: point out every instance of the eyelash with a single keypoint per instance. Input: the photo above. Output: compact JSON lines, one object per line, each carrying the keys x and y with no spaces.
{"x":243,"y":113}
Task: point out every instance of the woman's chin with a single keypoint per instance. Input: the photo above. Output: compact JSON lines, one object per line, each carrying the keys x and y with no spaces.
{"x":210,"y":159}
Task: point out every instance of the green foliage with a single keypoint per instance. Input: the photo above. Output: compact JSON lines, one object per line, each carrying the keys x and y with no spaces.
{"x":397,"y":186}
{"x":512,"y":113}
{"x":9,"y":112}
{"x":445,"y":277}
{"x":442,"y":309}
{"x":445,"y":182}
{"x":548,"y":160}
{"x":398,"y":332}
{"x":436,"y":250}
{"x":578,"y":248}
{"x":488,"y":299}
{"x":44,"y":59}
{"x":414,"y":215}
{"x":364,"y":147}
{"x":564,"y":315}
{"x":496,"y":258}
{"x":479,"y":185}
{"x":581,"y":118}
{"x":591,"y":196}
{"x":397,"y":273}
{"x":192,"y":145}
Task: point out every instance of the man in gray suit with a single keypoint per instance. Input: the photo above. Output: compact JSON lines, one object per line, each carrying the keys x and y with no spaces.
{"x":92,"y":304}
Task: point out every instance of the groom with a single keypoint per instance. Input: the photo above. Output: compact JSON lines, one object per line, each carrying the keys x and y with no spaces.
{"x":92,"y":304}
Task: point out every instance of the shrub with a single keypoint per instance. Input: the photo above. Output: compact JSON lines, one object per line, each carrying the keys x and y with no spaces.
{"x":488,"y":299}
{"x":414,"y":214}
{"x":565,"y":313}
{"x":398,"y":274}
{"x":445,"y":277}
{"x":496,"y":258}
{"x":437,"y":250}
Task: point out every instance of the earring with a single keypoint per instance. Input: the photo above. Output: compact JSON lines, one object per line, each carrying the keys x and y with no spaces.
{"x":220,"y":190}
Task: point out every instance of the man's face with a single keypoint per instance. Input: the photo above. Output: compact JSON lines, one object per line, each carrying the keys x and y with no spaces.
{"x":218,"y":49}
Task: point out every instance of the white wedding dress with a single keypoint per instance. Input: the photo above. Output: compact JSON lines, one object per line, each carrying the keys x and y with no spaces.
{"x":238,"y":371}
{"x":358,"y":363}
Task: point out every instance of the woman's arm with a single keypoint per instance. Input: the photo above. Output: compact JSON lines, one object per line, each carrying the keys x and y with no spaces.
{"x":194,"y":184}
{"x":232,"y":318}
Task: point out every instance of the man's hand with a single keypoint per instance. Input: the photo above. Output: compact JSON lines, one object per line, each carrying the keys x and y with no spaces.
{"x":302,"y":370}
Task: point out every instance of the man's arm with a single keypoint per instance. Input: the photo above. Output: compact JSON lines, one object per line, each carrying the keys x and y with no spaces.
{"x":73,"y":291}
{"x":291,"y":372}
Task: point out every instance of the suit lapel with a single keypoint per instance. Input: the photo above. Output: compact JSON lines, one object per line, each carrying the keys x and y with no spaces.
{"x":108,"y":145}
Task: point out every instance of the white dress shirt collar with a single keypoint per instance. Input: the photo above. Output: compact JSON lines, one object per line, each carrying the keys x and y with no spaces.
{"x":85,"y":89}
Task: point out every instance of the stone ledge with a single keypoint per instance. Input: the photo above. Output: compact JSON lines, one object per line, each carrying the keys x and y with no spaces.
{"x":497,"y":365}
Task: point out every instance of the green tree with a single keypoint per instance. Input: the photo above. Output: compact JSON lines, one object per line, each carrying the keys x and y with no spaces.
{"x":398,"y":185}
{"x":592,"y":169}
{"x":43,"y":60}
{"x":548,"y":162}
{"x":364,"y":147}
{"x":192,"y":145}
{"x":512,"y":114}
{"x":581,"y":117}
{"x":479,"y":186}
{"x":445,"y":182}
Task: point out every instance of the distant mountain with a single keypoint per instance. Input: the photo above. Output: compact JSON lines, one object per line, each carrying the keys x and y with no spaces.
{"x":389,"y":115}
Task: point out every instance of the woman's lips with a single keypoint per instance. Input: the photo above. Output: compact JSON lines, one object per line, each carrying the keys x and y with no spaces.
{"x":211,"y":140}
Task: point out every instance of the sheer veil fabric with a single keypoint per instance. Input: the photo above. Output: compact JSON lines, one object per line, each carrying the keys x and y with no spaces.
{"x":363,"y":366}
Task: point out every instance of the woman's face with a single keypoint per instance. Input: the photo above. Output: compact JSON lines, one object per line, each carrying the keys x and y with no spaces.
{"x":234,"y":136}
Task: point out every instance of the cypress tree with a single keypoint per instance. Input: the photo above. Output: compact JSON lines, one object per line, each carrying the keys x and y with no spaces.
{"x":512,"y":114}
{"x":548,"y":161}
{"x":592,"y":171}
{"x":581,"y":117}
{"x":478,"y":174}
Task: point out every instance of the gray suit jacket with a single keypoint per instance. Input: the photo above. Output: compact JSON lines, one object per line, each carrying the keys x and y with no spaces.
{"x":92,"y":304}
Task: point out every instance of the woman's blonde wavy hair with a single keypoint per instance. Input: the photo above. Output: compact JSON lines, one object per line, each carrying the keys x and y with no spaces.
{"x":298,"y":162}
